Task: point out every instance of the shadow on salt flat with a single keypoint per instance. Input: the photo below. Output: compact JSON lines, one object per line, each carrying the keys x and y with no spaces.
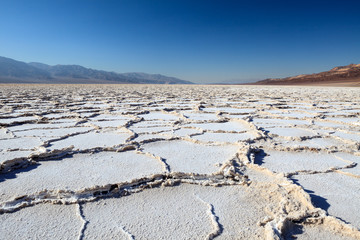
{"x":259,"y":157}
{"x":77,"y":172}
{"x":289,"y":162}
{"x":13,"y":174}
{"x":317,"y":200}
{"x":10,"y":155}
{"x":342,"y":194}
{"x":312,"y":231}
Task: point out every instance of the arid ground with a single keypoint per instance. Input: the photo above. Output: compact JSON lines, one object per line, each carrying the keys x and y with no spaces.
{"x":179,"y":162}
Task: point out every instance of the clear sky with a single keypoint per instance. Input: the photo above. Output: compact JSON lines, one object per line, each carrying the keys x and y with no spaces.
{"x":202,"y":41}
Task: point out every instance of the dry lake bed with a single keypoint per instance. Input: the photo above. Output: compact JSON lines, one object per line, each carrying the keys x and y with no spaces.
{"x":179,"y":162}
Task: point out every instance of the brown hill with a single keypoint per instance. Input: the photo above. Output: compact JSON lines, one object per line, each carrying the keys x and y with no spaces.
{"x":338,"y":76}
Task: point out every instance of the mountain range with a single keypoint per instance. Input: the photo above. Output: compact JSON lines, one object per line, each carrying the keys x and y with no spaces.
{"x":12,"y":71}
{"x":338,"y":76}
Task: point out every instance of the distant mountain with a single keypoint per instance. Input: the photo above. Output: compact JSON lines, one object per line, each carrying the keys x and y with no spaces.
{"x":40,"y":66}
{"x":12,"y":71}
{"x":10,"y":68}
{"x":343,"y":75}
{"x":155,"y":78}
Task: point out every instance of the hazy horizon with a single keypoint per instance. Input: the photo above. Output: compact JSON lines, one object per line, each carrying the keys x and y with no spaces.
{"x":199,"y":41}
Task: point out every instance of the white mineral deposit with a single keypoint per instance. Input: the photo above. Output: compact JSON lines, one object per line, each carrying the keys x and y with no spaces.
{"x":179,"y":162}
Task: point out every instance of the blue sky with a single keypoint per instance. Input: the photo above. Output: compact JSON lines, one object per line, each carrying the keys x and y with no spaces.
{"x":201,"y":41}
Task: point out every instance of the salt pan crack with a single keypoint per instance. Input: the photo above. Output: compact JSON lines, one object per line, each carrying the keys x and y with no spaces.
{"x":269,"y":161}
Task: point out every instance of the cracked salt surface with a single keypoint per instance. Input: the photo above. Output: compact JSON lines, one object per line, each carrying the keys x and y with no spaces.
{"x":184,"y":156}
{"x":142,"y":138}
{"x":11,"y":155}
{"x":44,"y":221}
{"x":234,"y":126}
{"x":179,"y":162}
{"x":68,"y":173}
{"x":50,"y":133}
{"x":195,"y":116}
{"x":340,"y":196}
{"x":183,"y":132}
{"x":355,"y":137}
{"x":322,"y":143}
{"x":22,"y":143}
{"x":179,"y":212}
{"x":159,"y":116}
{"x":224,"y":137}
{"x":310,"y":231}
{"x":291,"y":132}
{"x":288,"y":162}
{"x":49,"y":125}
{"x":5,"y":133}
{"x":266,"y":122}
{"x":91,"y":140}
{"x":107,"y":124}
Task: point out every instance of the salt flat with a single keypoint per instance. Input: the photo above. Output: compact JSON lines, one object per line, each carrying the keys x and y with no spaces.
{"x":179,"y":162}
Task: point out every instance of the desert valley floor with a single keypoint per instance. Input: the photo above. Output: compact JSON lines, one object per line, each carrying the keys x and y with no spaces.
{"x":179,"y":162}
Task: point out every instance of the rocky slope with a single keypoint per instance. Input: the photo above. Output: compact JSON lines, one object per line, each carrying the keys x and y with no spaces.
{"x":349,"y":74}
